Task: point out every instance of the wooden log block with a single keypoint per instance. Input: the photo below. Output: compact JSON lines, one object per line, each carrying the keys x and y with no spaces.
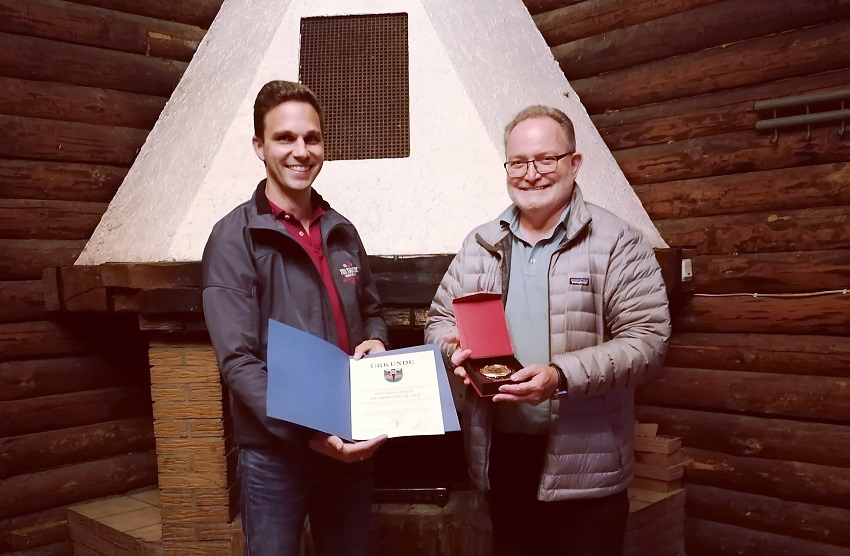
{"x":772,"y":272}
{"x":708,"y":538}
{"x":814,"y":522}
{"x":827,"y":314}
{"x":22,"y":300}
{"x":24,"y":259}
{"x":31,"y":219}
{"x":658,"y":473}
{"x":656,"y":484}
{"x":81,"y":24}
{"x":595,"y":17}
{"x":809,"y":397}
{"x":822,"y":185}
{"x":809,"y":483}
{"x":28,"y":179}
{"x":658,"y":444}
{"x":539,"y":6}
{"x":39,"y":451}
{"x":764,"y":353}
{"x":34,"y":530}
{"x":62,"y":548}
{"x":191,"y":12}
{"x":659,"y":460}
{"x":690,"y":31}
{"x":791,"y":54}
{"x":46,"y":60}
{"x":74,"y":483}
{"x":69,"y":141}
{"x":72,"y":103}
{"x":32,"y":415}
{"x":775,"y":439}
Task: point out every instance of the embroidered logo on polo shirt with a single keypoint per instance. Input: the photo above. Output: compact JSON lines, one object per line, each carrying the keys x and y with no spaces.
{"x":349,"y":272}
{"x":579,"y":281}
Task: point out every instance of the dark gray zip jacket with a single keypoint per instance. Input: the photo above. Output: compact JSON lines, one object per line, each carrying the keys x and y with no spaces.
{"x":254,"y":270}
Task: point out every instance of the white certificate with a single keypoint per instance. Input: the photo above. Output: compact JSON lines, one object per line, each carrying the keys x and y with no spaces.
{"x":396,"y":394}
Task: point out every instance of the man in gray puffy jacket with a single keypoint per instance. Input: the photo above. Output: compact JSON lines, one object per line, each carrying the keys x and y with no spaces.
{"x":587,"y":313}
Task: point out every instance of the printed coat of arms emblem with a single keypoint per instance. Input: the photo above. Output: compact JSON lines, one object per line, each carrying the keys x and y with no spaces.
{"x":393,"y":375}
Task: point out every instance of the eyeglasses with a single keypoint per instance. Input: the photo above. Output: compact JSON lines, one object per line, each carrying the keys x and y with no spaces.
{"x":543,"y":165}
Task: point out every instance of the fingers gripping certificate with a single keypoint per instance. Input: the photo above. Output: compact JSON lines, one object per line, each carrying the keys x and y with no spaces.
{"x":402,"y":392}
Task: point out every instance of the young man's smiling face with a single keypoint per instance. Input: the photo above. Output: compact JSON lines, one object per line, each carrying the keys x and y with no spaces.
{"x":292,"y":147}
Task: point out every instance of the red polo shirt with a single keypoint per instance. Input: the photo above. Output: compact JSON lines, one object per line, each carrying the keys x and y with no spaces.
{"x":312,"y":244}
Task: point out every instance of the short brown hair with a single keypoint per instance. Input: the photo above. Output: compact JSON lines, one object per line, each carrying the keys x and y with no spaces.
{"x":540,"y":111}
{"x":275,"y":93}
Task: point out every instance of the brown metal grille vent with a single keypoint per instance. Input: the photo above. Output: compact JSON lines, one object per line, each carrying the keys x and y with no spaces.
{"x":358,"y":67}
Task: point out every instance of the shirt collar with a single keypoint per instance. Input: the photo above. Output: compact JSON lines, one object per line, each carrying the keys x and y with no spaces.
{"x":280,"y":214}
{"x":510,"y":220}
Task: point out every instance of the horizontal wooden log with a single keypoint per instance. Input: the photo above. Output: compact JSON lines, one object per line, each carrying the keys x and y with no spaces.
{"x":81,"y":24}
{"x":31,"y":219}
{"x":75,"y":483}
{"x":595,"y":17}
{"x":408,"y":281}
{"x":44,"y":339}
{"x":691,"y":31}
{"x":762,"y":353}
{"x":807,"y":397}
{"x":73,"y":103}
{"x":44,"y":377}
{"x":539,"y":6}
{"x":32,"y":415}
{"x":67,"y":446}
{"x":192,"y":12}
{"x":766,"y":513}
{"x":795,"y":53}
{"x":827,"y":314}
{"x":63,"y":548}
{"x":34,"y":138}
{"x":823,"y":185}
{"x":46,"y":60}
{"x":712,"y":114}
{"x":34,"y":530}
{"x":808,"y":483}
{"x":708,"y":538}
{"x":22,"y":300}
{"x":27,"y":179}
{"x":765,"y":232}
{"x":741,"y":435}
{"x":25,"y":259}
{"x":731,"y":153}
{"x":772,"y":272}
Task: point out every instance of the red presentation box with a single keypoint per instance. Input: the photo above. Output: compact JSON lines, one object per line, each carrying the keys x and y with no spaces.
{"x":483,"y":329}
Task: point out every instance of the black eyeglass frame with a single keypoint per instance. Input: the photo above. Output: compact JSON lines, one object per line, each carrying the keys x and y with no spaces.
{"x":557,"y":159}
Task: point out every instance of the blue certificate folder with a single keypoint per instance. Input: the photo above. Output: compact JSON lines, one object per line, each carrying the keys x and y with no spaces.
{"x":309,"y":381}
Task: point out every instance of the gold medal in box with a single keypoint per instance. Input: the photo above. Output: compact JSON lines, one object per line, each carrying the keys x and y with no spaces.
{"x":482,"y":328}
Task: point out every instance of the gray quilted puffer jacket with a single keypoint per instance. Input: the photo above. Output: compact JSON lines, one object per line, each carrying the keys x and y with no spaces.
{"x":609,"y":324}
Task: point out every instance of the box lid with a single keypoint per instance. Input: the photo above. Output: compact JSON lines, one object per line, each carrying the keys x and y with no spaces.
{"x":482,"y":326}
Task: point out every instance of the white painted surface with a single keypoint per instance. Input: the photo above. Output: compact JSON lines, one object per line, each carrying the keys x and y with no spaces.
{"x":473,"y":65}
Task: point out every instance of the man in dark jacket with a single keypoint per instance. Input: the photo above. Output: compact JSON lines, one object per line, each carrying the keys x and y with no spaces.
{"x":285,"y":254}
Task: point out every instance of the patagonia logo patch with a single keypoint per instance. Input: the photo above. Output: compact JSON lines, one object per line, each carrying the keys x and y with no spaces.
{"x":579,"y":281}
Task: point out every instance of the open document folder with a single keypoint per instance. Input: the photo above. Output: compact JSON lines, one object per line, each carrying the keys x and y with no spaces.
{"x":401,"y":392}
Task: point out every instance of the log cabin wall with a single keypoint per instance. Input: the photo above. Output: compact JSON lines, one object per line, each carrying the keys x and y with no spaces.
{"x":81,"y":85}
{"x":756,"y":385}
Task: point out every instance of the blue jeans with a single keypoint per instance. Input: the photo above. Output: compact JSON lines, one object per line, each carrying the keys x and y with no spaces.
{"x":280,"y":487}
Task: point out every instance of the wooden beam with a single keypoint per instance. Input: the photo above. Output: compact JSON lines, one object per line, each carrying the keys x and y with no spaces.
{"x":823,"y":185}
{"x":23,"y":300}
{"x":539,"y":6}
{"x":34,"y":530}
{"x":36,"y":452}
{"x":809,"y":521}
{"x":822,"y":485}
{"x":772,"y":272}
{"x":688,"y":31}
{"x":75,"y":483}
{"x":81,"y":24}
{"x":44,"y":339}
{"x":708,"y":538}
{"x":807,"y":397}
{"x":34,"y":138}
{"x":24,"y":259}
{"x":827,"y":314}
{"x":409,"y":281}
{"x":786,"y":440}
{"x":46,"y":60}
{"x":72,"y":103}
{"x":762,"y":353}
{"x":791,"y":54}
{"x":595,"y":17}
{"x":30,"y":219}
{"x":28,"y":179}
{"x":191,"y":12}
